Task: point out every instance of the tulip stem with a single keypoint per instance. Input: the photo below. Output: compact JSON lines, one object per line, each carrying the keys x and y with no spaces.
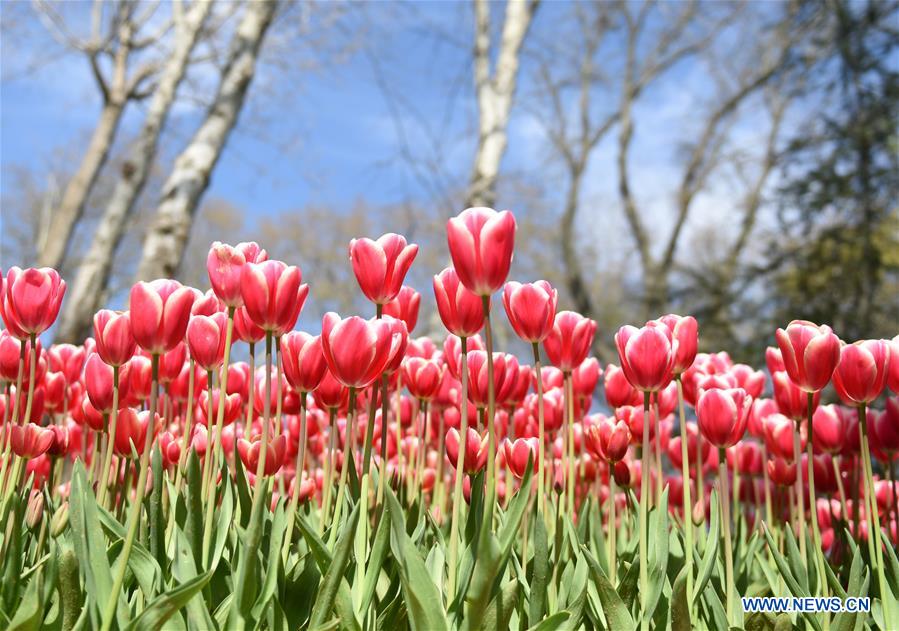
{"x":113,"y":421}
{"x":491,"y":409}
{"x":839,"y":478}
{"x":20,"y":462}
{"x":541,"y":432}
{"x":892,"y":480}
{"x":728,"y":544}
{"x":349,"y":460}
{"x":15,"y":416}
{"x":297,"y":479}
{"x":872,"y":507}
{"x":382,"y":471}
{"x":460,"y":465}
{"x":687,"y":503}
{"x":329,"y":467}
{"x":134,"y":513}
{"x":644,"y":499}
{"x":797,"y":492}
{"x":251,"y":393}
{"x":813,"y":503}
{"x":657,"y":448}
{"x":569,"y":451}
{"x":188,"y":425}
{"x":421,"y":455}
{"x":210,"y":435}
{"x":613,"y":545}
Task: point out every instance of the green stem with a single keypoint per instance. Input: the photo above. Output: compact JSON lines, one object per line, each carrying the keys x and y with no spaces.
{"x":329,"y":467}
{"x":251,"y":394}
{"x":113,"y":421}
{"x":349,"y":458}
{"x":644,"y":500}
{"x":728,"y":545}
{"x":298,"y":479}
{"x":569,"y":452}
{"x":382,"y":474}
{"x":541,"y":434}
{"x":14,"y":402}
{"x":613,"y":545}
{"x":460,"y":463}
{"x":188,"y":425}
{"x":813,"y":503}
{"x":491,"y":410}
{"x":797,"y":492}
{"x":134,"y":512}
{"x":687,"y":503}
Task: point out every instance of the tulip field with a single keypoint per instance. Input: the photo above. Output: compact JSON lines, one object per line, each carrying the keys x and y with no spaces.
{"x":364,"y":478}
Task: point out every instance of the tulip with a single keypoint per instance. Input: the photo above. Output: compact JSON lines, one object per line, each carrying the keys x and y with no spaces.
{"x":647,"y":355}
{"x":206,"y":337}
{"x":100,"y":382}
{"x":159,"y":314}
{"x":723,"y":415}
{"x":423,"y":377}
{"x":570,"y":340}
{"x":752,"y":381}
{"x":861,"y":375}
{"x":829,"y":429}
{"x":380,"y":266}
{"x":618,"y":389}
{"x":791,"y":401}
{"x":275,"y":450}
{"x":356,"y":350}
{"x":479,"y":380}
{"x":132,"y":431}
{"x":685,"y":330}
{"x":893,"y":378}
{"x":778,"y":436}
{"x":206,"y":304}
{"x":225,"y":264}
{"x":30,"y":440}
{"x":31,"y":300}
{"x":303,"y":360}
{"x":460,"y":309}
{"x":782,"y":472}
{"x":273,"y":295}
{"x":517,"y":454}
{"x":608,"y":439}
{"x":112,"y":332}
{"x":885,"y":430}
{"x":475,"y":457}
{"x":405,"y":307}
{"x":231,"y":412}
{"x":481,"y":241}
{"x":810,"y":353}
{"x":531,"y":309}
{"x":68,"y":359}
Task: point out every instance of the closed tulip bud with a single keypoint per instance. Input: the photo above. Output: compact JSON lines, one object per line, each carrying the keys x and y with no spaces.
{"x":621,"y":471}
{"x":139,"y":379}
{"x":422,"y":377}
{"x":34,"y":512}
{"x":570,"y":340}
{"x":475,"y":450}
{"x":170,"y":448}
{"x":98,"y":379}
{"x":60,"y":444}
{"x":830,"y":429}
{"x":481,"y":242}
{"x":380,"y":266}
{"x":54,"y":391}
{"x":273,"y":295}
{"x":531,"y":309}
{"x":647,"y":355}
{"x":774,"y":360}
{"x":608,"y":439}
{"x":862,"y":373}
{"x":303,"y":360}
{"x":10,"y":352}
{"x":30,"y":440}
{"x":723,"y":415}
{"x":31,"y":300}
{"x":685,"y":330}
{"x":517,"y":454}
{"x":698,"y":515}
{"x":810,"y":353}
{"x":460,"y":309}
{"x":250,"y":451}
{"x":405,"y":307}
{"x":60,"y":520}
{"x":159,"y":314}
{"x":112,"y":332}
{"x":225,"y":263}
{"x":206,"y":339}
{"x":618,"y":389}
{"x":331,"y":393}
{"x":357,"y":351}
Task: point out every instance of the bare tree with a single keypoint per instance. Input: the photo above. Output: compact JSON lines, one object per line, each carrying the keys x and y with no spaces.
{"x":116,"y":39}
{"x":495,"y":92}
{"x":88,"y":289}
{"x":189,"y":179}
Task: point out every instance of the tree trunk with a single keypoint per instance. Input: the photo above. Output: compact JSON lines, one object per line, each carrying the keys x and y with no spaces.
{"x":56,"y":238}
{"x":87,"y":290}
{"x":495,"y":94}
{"x":164,"y":245}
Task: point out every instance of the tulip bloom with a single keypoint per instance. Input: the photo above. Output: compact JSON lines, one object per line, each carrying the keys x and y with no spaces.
{"x":381,"y":266}
{"x":131,"y":430}
{"x":30,"y":440}
{"x":829,"y":429}
{"x":810,"y":353}
{"x":685,"y":330}
{"x":618,"y":389}
{"x":405,"y":307}
{"x":423,"y":377}
{"x":723,"y":415}
{"x":569,"y":341}
{"x":68,"y":359}
{"x":206,"y":339}
{"x":481,"y":242}
{"x":159,"y":314}
{"x":273,"y":295}
{"x":31,"y":300}
{"x":475,"y":450}
{"x":357,"y":351}
{"x":275,"y":451}
{"x":608,"y":439}
{"x":98,"y":381}
{"x":782,"y":472}
{"x":778,"y":436}
{"x":647,"y":355}
{"x":862,"y":372}
{"x":478,"y":383}
{"x":893,"y":379}
{"x":516,"y":455}
{"x":303,"y":360}
{"x":531,"y":309}
{"x":460,"y":309}
{"x":225,"y":263}
{"x":112,"y":332}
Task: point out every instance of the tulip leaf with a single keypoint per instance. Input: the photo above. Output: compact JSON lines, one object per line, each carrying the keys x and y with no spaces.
{"x":613,"y":608}
{"x":327,"y":593}
{"x":184,"y":569}
{"x":680,"y":603}
{"x":552,"y":622}
{"x":845,"y":620}
{"x":194,"y":525}
{"x":157,"y":524}
{"x":498,"y":612}
{"x":169,"y":603}
{"x":540,"y":577}
{"x":710,"y":555}
{"x":272,"y":568}
{"x":657,"y":562}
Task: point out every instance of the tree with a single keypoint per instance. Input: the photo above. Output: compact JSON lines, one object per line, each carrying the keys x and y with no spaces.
{"x":87,"y":292}
{"x":182,"y":192}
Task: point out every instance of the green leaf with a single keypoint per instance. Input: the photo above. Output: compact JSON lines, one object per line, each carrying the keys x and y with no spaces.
{"x":143,"y":567}
{"x":270,"y":583}
{"x":657,"y":562}
{"x":157,"y":524}
{"x":30,"y":611}
{"x":375,"y":561}
{"x":709,"y":556}
{"x":540,"y":577}
{"x":498,"y":612}
{"x":680,"y":603}
{"x":194,"y":525}
{"x":163,"y":607}
{"x":615,"y":611}
{"x":184,"y":569}
{"x":577,"y":594}
{"x":331,"y":582}
{"x":846,"y":621}
{"x":551,"y":623}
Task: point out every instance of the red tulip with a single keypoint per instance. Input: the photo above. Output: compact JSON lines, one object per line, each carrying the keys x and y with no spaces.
{"x":585,"y":377}
{"x":782,"y":472}
{"x":54,"y":392}
{"x":233,"y":408}
{"x":634,"y":417}
{"x":303,"y":360}
{"x":746,"y":458}
{"x":570,"y":340}
{"x":225,"y":264}
{"x":475,"y":450}
{"x":698,"y":450}
{"x":647,"y":355}
{"x":723,"y":415}
{"x":791,"y":401}
{"x":761,"y":409}
{"x":31,"y":300}
{"x":405,"y":307}
{"x":518,"y":453}
{"x":810,"y":353}
{"x":608,"y":439}
{"x":112,"y":332}
{"x":380,"y":266}
{"x":619,"y":390}
{"x":331,"y":393}
{"x":452,"y":353}
{"x":273,"y":295}
{"x":553,"y":408}
{"x":98,"y":381}
{"x":10,"y":352}
{"x":30,"y":440}
{"x":139,"y":381}
{"x":245,"y":329}
{"x":422,"y":377}
{"x":774,"y":360}
{"x":478,"y":382}
{"x":829,"y":429}
{"x":531,"y":309}
{"x":170,"y":448}
{"x":159,"y":313}
{"x":685,"y":330}
{"x":274,"y":454}
{"x":893,"y":378}
{"x":206,"y":304}
{"x":621,"y":471}
{"x":752,"y":381}
{"x":356,"y":350}
{"x":131,"y":429}
{"x":461,"y":310}
{"x":60,"y":444}
{"x":172,"y":363}
{"x":67,"y":359}
{"x":518,"y":391}
{"x":481,"y":241}
{"x":885,"y":429}
{"x":206,"y":339}
{"x":861,"y":375}
{"x":399,"y":340}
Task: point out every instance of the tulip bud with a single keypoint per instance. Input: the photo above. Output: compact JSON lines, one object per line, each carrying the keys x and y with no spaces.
{"x":569,"y":340}
{"x":647,"y":355}
{"x":380,"y":266}
{"x":481,"y":242}
{"x":34,"y":512}
{"x":60,"y":520}
{"x":531,"y":309}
